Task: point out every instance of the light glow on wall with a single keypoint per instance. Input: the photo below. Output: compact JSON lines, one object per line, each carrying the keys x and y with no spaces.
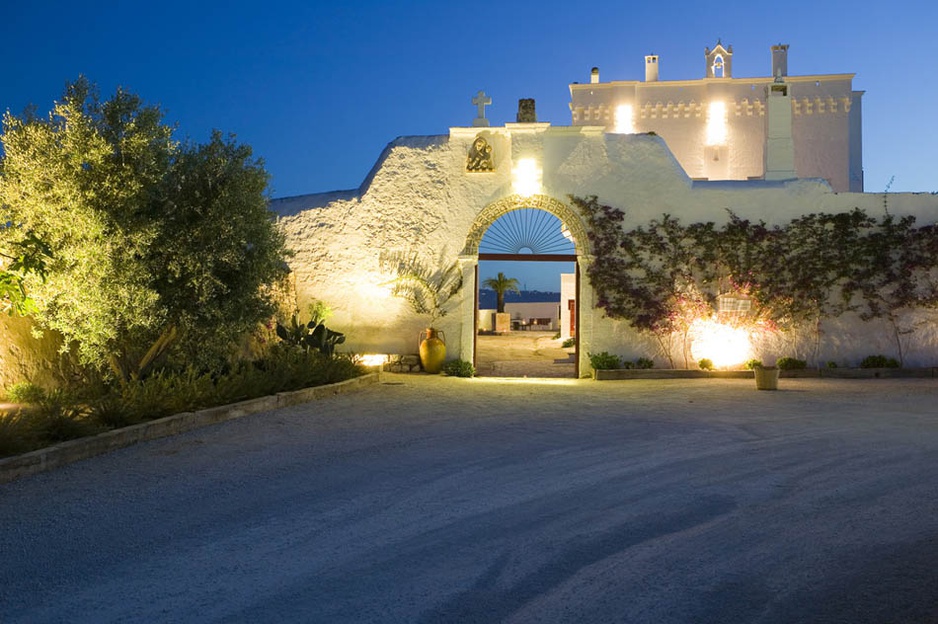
{"x":366,"y":288}
{"x":373,"y":359}
{"x":526,"y":177}
{"x":716,"y":123}
{"x":566,"y":233}
{"x":724,"y":345}
{"x":624,"y":123}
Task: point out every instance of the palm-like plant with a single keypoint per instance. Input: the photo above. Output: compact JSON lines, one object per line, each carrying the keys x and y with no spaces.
{"x":501,"y":285}
{"x":430,"y":291}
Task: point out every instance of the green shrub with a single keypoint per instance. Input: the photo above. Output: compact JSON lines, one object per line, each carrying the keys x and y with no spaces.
{"x":459,"y":368}
{"x":832,"y":364}
{"x":160,"y":394}
{"x":879,"y":361}
{"x":59,"y":415}
{"x":705,"y":364}
{"x":644,"y":363}
{"x":557,"y":336}
{"x":17,"y":434}
{"x":112,"y":413}
{"x":311,"y":335}
{"x":569,"y":342}
{"x":605,"y":361}
{"x":753,"y":363}
{"x":789,"y":363}
{"x":25,"y":392}
{"x":57,"y":419}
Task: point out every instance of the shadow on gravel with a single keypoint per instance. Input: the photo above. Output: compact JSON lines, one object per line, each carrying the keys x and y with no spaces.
{"x":490,"y":599}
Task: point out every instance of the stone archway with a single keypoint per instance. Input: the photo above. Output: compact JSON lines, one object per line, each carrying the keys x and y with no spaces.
{"x":503,"y":206}
{"x":470,"y":255}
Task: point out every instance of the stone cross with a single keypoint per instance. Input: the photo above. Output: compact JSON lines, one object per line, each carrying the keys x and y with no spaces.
{"x":481,"y":101}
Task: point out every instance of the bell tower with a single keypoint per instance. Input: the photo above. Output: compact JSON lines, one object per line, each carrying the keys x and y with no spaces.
{"x":719,"y":61}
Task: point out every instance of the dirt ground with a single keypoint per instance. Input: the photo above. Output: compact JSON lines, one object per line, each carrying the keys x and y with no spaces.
{"x":523,"y":354}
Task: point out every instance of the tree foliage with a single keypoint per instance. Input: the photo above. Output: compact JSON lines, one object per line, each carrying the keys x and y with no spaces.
{"x":24,"y":256}
{"x":153,"y":243}
{"x":502,"y":284}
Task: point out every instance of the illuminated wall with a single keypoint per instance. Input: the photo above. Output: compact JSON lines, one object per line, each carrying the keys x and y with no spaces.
{"x":420,"y":199}
{"x":826,"y":123}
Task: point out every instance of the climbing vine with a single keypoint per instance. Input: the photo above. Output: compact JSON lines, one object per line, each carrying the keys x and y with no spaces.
{"x":663,"y":275}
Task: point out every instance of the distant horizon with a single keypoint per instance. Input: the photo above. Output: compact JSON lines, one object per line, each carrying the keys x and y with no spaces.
{"x":488,"y":298}
{"x":523,"y":290}
{"x":534,"y":276}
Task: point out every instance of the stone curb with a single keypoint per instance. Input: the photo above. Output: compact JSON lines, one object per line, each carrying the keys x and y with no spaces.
{"x":827,"y":373}
{"x":53,"y":457}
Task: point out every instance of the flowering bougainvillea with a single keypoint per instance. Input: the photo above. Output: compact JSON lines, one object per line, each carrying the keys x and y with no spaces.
{"x":663,"y":275}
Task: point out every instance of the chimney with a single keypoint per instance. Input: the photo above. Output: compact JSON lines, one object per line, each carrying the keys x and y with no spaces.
{"x":779,"y":145}
{"x":779,"y":60}
{"x":594,"y":75}
{"x":526,"y":113}
{"x":651,"y":68}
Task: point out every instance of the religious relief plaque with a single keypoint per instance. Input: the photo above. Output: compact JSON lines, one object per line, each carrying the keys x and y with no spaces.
{"x":480,"y":156}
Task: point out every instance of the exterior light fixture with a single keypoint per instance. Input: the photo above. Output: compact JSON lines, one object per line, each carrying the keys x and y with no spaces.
{"x":716,"y":123}
{"x":526,"y":177}
{"x":374,"y":359}
{"x":624,"y":124}
{"x":724,"y":345}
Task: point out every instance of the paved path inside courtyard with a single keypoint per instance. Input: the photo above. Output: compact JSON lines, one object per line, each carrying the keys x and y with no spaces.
{"x":431,"y":499}
{"x":523,"y":354}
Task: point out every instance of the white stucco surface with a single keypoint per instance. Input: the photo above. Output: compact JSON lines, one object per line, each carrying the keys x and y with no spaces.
{"x":420,"y":200}
{"x":824,"y":112}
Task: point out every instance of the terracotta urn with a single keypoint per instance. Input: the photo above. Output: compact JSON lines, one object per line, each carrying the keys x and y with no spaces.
{"x":432,"y":350}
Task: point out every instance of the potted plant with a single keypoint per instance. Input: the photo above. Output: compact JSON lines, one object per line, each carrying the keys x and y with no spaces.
{"x":766,"y":376}
{"x":430,"y":293}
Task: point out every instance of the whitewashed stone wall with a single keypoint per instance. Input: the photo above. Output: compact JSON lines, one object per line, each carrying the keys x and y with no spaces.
{"x":420,"y":199}
{"x":567,"y":294}
{"x":826,"y":127}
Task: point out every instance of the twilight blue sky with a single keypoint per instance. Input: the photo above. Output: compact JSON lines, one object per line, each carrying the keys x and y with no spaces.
{"x":319,"y":88}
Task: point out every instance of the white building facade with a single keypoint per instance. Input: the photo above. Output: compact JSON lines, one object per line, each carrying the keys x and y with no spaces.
{"x":434,"y":197}
{"x":718,"y":126}
{"x":420,"y":200}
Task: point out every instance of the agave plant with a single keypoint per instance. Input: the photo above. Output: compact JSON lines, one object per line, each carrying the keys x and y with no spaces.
{"x":311,"y":335}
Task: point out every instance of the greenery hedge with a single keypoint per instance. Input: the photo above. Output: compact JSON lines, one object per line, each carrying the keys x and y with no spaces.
{"x":57,"y":415}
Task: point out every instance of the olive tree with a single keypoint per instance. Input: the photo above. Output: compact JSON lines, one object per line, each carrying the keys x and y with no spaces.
{"x":153,"y":245}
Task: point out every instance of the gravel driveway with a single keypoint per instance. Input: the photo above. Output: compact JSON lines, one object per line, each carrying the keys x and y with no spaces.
{"x":430,"y":499}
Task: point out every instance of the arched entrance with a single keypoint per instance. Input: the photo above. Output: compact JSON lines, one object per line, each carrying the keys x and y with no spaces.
{"x":529,"y":237}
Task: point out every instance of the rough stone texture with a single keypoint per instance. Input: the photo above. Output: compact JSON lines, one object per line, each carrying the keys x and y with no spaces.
{"x":527,"y":112}
{"x":23,"y":357}
{"x":403,"y":364}
{"x":419,"y":200}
